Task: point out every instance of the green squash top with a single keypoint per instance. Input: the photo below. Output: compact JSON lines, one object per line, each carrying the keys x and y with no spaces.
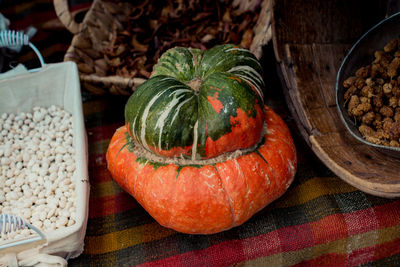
{"x":199,"y":104}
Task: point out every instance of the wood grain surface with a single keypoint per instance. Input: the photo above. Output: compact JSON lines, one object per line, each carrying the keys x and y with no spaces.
{"x":310,"y":39}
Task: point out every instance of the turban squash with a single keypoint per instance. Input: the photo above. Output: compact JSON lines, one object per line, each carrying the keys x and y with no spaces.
{"x":199,"y":150}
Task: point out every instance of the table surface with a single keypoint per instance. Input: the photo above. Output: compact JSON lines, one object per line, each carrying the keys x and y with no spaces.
{"x":320,"y":220}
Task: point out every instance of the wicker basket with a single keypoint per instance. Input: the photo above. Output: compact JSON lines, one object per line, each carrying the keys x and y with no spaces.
{"x":54,"y":84}
{"x":95,"y":33}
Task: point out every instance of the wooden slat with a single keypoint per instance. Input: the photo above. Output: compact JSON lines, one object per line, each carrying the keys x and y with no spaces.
{"x":342,"y":138}
{"x":322,"y":121}
{"x":360,"y":165}
{"x":303,"y":74}
{"x":307,"y":90}
{"x":327,"y":58}
{"x":325,"y":22}
{"x":294,"y":108}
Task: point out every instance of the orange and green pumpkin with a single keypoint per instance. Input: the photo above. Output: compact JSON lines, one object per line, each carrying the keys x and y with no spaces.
{"x":199,"y":150}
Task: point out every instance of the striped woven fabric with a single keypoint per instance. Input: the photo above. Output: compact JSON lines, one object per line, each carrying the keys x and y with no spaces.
{"x":320,"y":220}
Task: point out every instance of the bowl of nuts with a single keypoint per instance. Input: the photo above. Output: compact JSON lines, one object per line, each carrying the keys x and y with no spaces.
{"x":368,"y":87}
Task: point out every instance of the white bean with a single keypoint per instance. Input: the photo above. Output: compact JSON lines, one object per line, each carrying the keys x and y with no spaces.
{"x":62,"y":221}
{"x":47,"y":223}
{"x":5,"y":161}
{"x":51,"y":213}
{"x":27,"y":203}
{"x":41,"y":201}
{"x":37,"y":223}
{"x":28,"y":193}
{"x":27,"y":213}
{"x":37,"y":163}
{"x":71,"y":222}
{"x":43,"y":215}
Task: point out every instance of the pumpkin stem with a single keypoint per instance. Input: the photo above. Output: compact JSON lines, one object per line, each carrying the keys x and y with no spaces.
{"x":195,"y":84}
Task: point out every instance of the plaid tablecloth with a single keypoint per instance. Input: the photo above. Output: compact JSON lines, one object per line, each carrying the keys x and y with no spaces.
{"x":321,"y":220}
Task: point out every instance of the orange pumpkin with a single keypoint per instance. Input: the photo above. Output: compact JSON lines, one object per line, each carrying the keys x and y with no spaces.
{"x":199,"y":150}
{"x":210,"y":198}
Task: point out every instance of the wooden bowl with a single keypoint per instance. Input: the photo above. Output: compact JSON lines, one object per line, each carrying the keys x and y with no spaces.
{"x":311,"y":39}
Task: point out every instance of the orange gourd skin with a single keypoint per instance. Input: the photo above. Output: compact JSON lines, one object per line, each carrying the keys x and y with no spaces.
{"x":210,"y":198}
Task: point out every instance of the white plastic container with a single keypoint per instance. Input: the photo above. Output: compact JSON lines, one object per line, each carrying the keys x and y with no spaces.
{"x":54,"y":84}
